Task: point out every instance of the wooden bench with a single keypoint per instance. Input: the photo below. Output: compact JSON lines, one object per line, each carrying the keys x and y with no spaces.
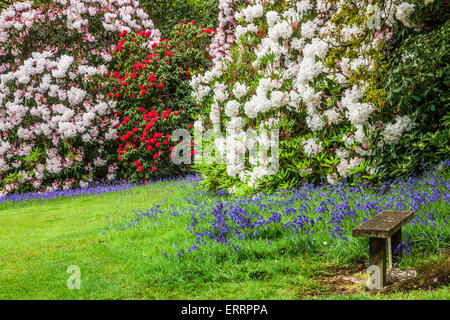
{"x":385,"y":225}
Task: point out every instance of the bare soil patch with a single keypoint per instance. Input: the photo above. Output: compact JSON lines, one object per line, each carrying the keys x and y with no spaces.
{"x":429,"y":277}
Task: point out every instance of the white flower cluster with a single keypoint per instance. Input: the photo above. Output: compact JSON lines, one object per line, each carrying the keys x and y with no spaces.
{"x":345,"y":166}
{"x":404,"y":11}
{"x":312,"y":147}
{"x":393,"y":131}
{"x":252,"y":12}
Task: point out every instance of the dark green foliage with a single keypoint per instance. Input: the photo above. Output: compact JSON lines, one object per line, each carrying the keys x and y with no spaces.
{"x":417,"y":84}
{"x":166,"y":14}
{"x":6,"y":3}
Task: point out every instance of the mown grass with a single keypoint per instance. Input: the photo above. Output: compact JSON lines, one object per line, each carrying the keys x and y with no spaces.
{"x":39,"y":241}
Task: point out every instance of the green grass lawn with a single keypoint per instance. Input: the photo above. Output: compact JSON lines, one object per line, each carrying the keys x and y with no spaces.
{"x":39,"y":241}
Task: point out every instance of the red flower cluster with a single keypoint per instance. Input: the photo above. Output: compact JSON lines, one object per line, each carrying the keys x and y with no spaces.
{"x":208,"y":31}
{"x":119,"y":45}
{"x":140,"y":135}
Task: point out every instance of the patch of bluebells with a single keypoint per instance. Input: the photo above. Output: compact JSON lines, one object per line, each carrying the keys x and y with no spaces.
{"x":70,"y":193}
{"x":320,"y":217}
{"x":94,"y":189}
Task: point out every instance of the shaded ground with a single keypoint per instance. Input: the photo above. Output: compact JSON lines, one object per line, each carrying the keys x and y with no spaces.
{"x":345,"y":280}
{"x":429,"y":276}
{"x":349,"y":281}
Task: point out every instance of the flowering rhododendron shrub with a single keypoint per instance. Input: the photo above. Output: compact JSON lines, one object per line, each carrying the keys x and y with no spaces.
{"x":149,"y":83}
{"x":55,"y":125}
{"x":306,"y":68}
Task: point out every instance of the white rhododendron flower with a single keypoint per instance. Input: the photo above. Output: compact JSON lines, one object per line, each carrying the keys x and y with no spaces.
{"x":312,"y":147}
{"x":252,"y":12}
{"x":393,"y":131}
{"x":76,"y":96}
{"x":404,"y":11}
{"x":239,"y":90}
{"x":232,"y":108}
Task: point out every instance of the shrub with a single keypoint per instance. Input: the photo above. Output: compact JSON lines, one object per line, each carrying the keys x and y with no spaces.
{"x":310,"y":70}
{"x":167,"y":14}
{"x":55,"y":126}
{"x":150,"y":84}
{"x":417,"y":83}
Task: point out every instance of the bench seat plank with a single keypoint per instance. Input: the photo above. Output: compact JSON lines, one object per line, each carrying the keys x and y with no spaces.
{"x":384,"y":224}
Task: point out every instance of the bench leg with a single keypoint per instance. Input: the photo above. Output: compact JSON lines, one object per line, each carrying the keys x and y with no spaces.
{"x":377,"y":257}
{"x":396,"y":239}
